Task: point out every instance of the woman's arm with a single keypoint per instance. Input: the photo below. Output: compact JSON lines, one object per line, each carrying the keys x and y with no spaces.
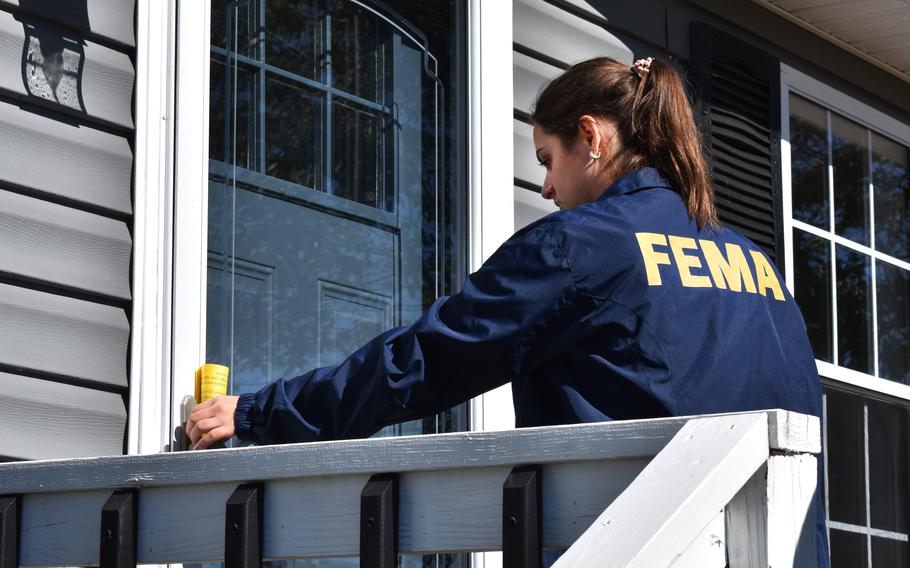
{"x":515,"y":312}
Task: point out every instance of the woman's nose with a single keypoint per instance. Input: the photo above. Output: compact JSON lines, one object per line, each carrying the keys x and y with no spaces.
{"x":547,"y":191}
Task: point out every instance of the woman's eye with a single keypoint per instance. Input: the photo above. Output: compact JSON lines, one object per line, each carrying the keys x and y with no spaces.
{"x":544,"y":163}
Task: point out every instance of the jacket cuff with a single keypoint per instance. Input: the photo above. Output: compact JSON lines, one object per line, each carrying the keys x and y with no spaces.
{"x":243,"y":416}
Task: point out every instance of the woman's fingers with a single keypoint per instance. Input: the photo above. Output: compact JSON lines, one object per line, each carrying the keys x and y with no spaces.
{"x":203,"y":426}
{"x":212,"y":421}
{"x":216,"y":435}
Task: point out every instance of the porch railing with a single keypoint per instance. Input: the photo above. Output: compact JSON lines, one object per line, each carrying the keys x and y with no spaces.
{"x":733,"y":489}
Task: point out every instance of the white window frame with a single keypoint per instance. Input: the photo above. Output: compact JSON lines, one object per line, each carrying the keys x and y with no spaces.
{"x":150,"y":362}
{"x":491,"y":149}
{"x":168,"y":341}
{"x":795,"y":81}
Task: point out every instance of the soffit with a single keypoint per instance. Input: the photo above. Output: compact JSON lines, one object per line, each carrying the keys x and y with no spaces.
{"x":876,"y":30}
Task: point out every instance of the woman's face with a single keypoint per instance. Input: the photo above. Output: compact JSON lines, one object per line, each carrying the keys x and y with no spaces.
{"x":573,"y":177}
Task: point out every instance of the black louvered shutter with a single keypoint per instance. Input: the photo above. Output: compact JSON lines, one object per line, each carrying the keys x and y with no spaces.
{"x":738,"y":101}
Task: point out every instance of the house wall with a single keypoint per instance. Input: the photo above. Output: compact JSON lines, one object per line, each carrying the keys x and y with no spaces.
{"x":66,"y":169}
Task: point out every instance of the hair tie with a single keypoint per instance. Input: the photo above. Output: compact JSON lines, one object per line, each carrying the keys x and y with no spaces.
{"x":642,"y":67}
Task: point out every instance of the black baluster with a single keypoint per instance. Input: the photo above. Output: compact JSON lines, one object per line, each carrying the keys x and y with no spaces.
{"x":118,"y":530}
{"x":243,"y":527}
{"x":521,"y":518}
{"x":379,"y":522}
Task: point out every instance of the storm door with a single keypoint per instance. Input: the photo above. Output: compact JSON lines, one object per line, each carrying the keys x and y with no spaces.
{"x":324,"y":184}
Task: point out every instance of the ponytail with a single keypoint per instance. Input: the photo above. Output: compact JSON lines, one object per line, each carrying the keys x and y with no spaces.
{"x":653,"y":118}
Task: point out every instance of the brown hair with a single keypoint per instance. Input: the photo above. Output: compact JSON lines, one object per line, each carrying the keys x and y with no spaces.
{"x":652,"y":116}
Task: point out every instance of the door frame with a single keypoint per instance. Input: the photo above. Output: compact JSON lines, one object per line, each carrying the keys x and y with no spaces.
{"x":168,"y":341}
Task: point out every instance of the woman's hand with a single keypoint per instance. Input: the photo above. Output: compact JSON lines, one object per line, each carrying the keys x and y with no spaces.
{"x":212,"y":421}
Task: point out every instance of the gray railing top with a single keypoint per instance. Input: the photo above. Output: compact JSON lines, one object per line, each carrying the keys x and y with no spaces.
{"x":631,"y":479}
{"x":628,"y":439}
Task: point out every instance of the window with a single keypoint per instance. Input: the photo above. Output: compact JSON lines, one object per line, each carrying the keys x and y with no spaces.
{"x":850,"y":234}
{"x":867,"y":480}
{"x":847,"y":222}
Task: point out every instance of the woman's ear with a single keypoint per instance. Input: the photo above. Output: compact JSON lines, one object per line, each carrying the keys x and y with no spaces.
{"x":589,"y":130}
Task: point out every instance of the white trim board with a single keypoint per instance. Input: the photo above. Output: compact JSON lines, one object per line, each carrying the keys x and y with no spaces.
{"x":490,"y":142}
{"x":191,"y":200}
{"x":152,"y":245}
{"x":862,"y":380}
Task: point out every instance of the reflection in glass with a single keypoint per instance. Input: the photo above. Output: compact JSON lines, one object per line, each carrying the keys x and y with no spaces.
{"x":846,"y":458}
{"x":293,"y":132}
{"x":360,"y":42}
{"x":217,"y":110}
{"x":242,"y":91}
{"x":812,"y":270}
{"x":889,"y":552}
{"x":235,"y":23}
{"x":888,"y":475}
{"x":851,"y":195}
{"x":893,"y":322}
{"x":809,"y":162}
{"x":294,"y":37}
{"x":854,"y":309}
{"x":358,"y":164}
{"x":891,"y":188}
{"x":848,"y":549}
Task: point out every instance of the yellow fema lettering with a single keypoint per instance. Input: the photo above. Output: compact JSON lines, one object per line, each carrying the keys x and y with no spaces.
{"x":686,"y":262}
{"x":652,"y":258}
{"x":765,"y":276}
{"x":731,"y":272}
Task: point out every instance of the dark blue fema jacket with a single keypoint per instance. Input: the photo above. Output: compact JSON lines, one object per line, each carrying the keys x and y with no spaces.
{"x":617,"y":309}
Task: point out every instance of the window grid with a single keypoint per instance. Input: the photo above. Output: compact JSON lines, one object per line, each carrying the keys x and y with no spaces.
{"x":867,"y":530}
{"x":263,"y":69}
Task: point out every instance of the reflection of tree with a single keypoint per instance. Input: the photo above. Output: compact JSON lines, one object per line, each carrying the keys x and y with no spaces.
{"x":893,"y":322}
{"x":851,"y":179}
{"x":891,"y":182}
{"x":854,"y":310}
{"x":809,"y":158}
{"x":812,"y":262}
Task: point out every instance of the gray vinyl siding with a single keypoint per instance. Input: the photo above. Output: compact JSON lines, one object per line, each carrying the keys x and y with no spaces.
{"x":66,"y":171}
{"x":547,"y":39}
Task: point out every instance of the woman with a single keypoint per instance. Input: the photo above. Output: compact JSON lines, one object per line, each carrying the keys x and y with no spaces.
{"x":631,"y":302}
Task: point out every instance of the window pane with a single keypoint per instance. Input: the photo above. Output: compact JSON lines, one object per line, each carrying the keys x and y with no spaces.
{"x":809,"y":162}
{"x":235,"y":119}
{"x":360,"y":41}
{"x":294,"y":132}
{"x":891,"y":188}
{"x":851,"y":195}
{"x":888,"y":475}
{"x":845,"y":459}
{"x":848,"y":549}
{"x":812,"y":275}
{"x":854,"y":310}
{"x":888,"y":552}
{"x":893,"y":322}
{"x":235,"y":26}
{"x":217,"y":109}
{"x":293,"y":37}
{"x":359,"y":170}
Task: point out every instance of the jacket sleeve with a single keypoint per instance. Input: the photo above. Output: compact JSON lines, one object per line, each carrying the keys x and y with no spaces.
{"x":514,"y":313}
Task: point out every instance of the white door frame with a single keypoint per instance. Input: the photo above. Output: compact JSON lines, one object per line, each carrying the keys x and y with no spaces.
{"x":171,"y":209}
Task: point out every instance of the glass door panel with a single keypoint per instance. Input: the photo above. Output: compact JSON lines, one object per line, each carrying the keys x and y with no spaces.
{"x":324,"y":187}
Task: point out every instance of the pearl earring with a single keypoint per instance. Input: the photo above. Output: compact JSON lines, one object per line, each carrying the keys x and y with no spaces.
{"x":593,"y":155}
